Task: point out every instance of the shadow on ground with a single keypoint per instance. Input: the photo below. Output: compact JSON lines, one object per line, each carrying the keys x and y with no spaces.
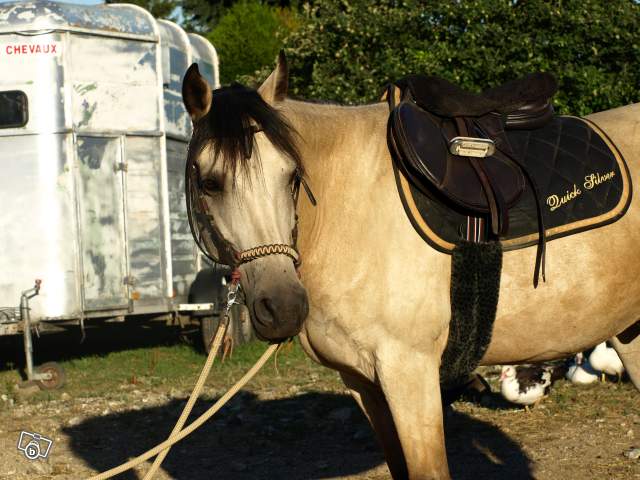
{"x":310,"y":436}
{"x":478,"y":450}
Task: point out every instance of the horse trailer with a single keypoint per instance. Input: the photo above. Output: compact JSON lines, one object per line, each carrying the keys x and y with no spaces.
{"x":93,"y":138}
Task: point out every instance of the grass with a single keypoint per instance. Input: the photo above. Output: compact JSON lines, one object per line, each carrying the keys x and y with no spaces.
{"x":173,"y":369}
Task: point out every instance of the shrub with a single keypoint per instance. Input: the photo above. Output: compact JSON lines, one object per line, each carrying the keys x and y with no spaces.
{"x":346,"y":50}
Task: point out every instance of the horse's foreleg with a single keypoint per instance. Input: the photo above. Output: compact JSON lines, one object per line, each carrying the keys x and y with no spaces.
{"x":627,"y":345}
{"x":411,"y":385}
{"x":375,"y":407}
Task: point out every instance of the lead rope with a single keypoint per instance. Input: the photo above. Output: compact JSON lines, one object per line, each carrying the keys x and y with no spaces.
{"x":178,"y":433}
{"x":215,"y":346}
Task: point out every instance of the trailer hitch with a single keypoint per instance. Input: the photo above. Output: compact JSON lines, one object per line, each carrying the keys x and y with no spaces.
{"x":25,"y":316}
{"x":49,"y":375}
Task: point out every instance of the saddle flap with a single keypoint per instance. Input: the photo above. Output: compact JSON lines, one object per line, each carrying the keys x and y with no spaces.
{"x":422,"y":151}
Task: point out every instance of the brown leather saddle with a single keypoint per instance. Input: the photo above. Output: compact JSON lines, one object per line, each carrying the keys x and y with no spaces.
{"x":451,"y":144}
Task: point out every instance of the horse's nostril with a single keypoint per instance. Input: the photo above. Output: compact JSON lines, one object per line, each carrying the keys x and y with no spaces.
{"x":265,"y":311}
{"x":279,"y":314}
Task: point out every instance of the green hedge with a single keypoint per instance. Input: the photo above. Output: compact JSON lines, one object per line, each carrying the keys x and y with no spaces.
{"x":346,"y":50}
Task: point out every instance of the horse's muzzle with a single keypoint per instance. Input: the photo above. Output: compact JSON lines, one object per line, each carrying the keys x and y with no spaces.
{"x":279,"y":314}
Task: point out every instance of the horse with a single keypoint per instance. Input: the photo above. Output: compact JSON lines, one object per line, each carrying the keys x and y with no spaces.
{"x":367,"y":296}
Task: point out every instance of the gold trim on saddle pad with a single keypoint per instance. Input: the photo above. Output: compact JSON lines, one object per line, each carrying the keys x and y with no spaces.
{"x":427,"y":233}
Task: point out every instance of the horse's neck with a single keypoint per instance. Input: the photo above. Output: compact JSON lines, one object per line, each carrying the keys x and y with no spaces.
{"x":343,"y":148}
{"x":346,"y":159}
{"x":358,"y":239}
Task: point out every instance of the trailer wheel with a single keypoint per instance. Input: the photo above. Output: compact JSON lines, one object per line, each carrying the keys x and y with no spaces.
{"x":243,"y":330}
{"x":208,"y":326}
{"x":57,"y":376}
{"x":240,"y":329}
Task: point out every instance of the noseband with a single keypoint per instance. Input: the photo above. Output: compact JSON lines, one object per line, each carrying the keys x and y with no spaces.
{"x":209,"y":238}
{"x":246,"y":256}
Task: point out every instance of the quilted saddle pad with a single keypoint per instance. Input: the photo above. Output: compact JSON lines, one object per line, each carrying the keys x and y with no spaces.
{"x":582,"y":179}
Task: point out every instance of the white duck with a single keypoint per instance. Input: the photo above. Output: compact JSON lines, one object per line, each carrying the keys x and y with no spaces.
{"x":525,"y":386}
{"x":581,"y":372}
{"x":606,"y":360}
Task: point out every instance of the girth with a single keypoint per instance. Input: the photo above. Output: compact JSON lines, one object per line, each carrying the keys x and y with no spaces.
{"x":456,"y":149}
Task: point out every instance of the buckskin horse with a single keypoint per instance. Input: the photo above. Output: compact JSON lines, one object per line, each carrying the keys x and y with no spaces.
{"x":367,"y":296}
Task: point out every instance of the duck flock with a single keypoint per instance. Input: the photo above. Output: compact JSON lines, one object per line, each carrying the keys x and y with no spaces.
{"x":527,"y":385}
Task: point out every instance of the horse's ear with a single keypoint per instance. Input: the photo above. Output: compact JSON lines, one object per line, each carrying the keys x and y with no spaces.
{"x":196,"y":93}
{"x":274,"y":89}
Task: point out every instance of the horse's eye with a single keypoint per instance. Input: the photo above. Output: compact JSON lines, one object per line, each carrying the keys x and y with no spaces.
{"x":212,"y":185}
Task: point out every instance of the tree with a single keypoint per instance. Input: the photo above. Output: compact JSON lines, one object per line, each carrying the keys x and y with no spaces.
{"x":203,"y":15}
{"x":158,"y":8}
{"x":347,"y":50}
{"x":249,"y":36}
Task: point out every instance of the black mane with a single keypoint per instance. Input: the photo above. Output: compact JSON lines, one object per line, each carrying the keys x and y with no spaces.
{"x":236,"y":113}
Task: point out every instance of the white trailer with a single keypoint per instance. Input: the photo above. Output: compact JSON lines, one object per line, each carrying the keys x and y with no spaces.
{"x":93,"y":137}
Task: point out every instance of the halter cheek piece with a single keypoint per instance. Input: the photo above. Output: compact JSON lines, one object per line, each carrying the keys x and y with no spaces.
{"x":209,"y":238}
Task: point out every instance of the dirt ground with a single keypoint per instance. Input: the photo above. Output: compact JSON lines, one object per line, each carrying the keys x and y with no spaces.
{"x":293,"y":422}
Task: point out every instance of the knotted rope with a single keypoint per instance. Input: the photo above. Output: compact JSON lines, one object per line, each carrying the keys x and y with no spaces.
{"x":266,"y":250}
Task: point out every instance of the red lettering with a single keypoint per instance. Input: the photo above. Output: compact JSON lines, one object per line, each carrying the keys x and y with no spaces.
{"x":31,"y":49}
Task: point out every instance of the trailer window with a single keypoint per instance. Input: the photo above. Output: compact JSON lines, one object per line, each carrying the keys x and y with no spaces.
{"x":13,"y":109}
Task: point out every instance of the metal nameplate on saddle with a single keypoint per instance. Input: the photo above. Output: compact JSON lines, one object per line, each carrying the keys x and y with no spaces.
{"x":472,"y":147}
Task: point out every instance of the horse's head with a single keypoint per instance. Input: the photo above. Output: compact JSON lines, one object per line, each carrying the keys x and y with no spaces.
{"x":243,"y":172}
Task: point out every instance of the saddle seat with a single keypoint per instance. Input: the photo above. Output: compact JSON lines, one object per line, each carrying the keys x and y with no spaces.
{"x":452,"y":144}
{"x":525,"y":102}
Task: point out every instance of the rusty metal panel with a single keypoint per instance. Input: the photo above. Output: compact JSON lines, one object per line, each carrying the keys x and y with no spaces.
{"x":38,"y":224}
{"x":119,"y":93}
{"x":183,"y":250}
{"x":101,"y":217}
{"x":144,"y":211}
{"x":125,"y":21}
